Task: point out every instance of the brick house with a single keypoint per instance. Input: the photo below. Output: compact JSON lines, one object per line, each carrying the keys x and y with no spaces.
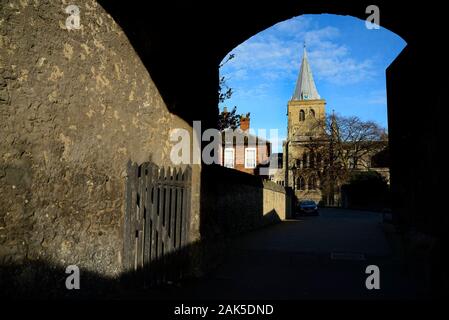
{"x":243,"y":150}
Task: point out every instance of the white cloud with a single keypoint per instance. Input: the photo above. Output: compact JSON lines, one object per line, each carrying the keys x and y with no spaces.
{"x":276,"y":53}
{"x":377,"y":97}
{"x":293,"y":26}
{"x":257,"y":91}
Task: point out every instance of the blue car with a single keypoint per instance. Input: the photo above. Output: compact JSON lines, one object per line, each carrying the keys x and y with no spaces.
{"x":307,"y":207}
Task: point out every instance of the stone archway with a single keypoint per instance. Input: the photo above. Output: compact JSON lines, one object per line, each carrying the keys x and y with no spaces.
{"x":421,"y":68}
{"x":172,"y":52}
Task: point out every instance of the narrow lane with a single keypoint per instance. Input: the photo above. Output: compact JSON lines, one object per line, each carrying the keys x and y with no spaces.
{"x":322,"y":257}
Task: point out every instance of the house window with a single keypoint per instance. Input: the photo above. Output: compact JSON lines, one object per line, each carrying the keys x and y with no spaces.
{"x":250,"y":158}
{"x":302,"y":115}
{"x":229,"y":157}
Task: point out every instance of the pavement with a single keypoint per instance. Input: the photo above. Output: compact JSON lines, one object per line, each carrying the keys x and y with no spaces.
{"x":316,"y":257}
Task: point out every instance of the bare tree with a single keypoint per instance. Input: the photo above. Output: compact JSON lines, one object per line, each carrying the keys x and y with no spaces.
{"x":226,"y":119}
{"x":355,"y":141}
{"x":224,"y":91}
{"x":347,"y":144}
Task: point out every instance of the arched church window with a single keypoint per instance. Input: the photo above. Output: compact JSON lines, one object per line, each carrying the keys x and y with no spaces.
{"x":302,"y":115}
{"x":312,"y":113}
{"x":318,"y":160}
{"x":312,"y":183}
{"x":300,"y":184}
{"x":305,"y":160}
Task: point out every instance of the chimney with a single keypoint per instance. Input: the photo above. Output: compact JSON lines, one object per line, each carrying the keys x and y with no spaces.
{"x":244,"y":122}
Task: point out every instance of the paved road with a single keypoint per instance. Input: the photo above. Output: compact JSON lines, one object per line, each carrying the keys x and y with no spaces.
{"x":320,"y":257}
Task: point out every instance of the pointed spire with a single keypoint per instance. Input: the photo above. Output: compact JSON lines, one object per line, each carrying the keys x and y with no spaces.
{"x":334,"y":126}
{"x":305,"y":86}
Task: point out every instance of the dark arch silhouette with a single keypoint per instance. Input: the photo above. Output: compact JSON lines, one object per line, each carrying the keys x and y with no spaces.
{"x":183,"y":57}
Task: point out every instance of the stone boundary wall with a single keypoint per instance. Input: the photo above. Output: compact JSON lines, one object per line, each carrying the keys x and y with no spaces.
{"x":275,"y":201}
{"x":233,"y":202}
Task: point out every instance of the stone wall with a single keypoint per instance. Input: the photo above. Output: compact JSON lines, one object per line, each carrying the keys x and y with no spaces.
{"x":75,"y":106}
{"x":276,"y":202}
{"x":233,"y":202}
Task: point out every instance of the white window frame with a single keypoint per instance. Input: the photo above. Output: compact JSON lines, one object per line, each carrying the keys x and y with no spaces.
{"x":226,"y":150}
{"x":247,"y":165}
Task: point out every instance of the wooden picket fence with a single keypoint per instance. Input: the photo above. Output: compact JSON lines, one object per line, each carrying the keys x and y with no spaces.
{"x":156,"y":221}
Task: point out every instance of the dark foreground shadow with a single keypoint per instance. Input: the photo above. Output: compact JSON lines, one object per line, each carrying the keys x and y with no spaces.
{"x":41,"y":280}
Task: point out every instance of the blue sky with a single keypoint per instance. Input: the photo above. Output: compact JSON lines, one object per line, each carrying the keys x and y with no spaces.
{"x":348,"y":63}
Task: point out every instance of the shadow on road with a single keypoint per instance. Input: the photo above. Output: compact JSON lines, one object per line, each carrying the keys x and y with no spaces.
{"x":313,"y":257}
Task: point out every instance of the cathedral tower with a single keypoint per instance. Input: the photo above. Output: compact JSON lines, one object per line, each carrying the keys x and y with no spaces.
{"x":306,"y":107}
{"x":306,"y":117}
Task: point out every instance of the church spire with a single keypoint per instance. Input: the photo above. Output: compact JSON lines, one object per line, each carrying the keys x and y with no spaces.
{"x":305,"y":86}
